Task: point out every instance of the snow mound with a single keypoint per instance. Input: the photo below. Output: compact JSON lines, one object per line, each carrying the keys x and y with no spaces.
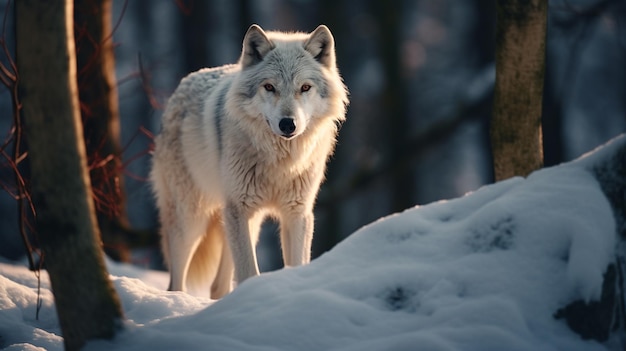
{"x":486,"y":271}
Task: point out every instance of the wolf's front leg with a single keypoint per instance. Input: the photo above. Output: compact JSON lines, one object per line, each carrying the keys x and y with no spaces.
{"x":242,"y":231}
{"x":296,"y":235}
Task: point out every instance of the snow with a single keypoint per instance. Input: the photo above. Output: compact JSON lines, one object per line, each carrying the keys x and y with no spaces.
{"x":486,"y":271}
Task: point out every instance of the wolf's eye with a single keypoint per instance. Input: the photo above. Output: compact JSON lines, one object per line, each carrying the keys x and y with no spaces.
{"x":269,"y":87}
{"x":305,"y":88}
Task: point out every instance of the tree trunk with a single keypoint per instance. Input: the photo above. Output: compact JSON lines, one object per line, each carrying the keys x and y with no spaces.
{"x":195,"y":28}
{"x":328,"y":226}
{"x":86,"y":302}
{"x":520,"y":62}
{"x":394,"y":102}
{"x":97,"y":88}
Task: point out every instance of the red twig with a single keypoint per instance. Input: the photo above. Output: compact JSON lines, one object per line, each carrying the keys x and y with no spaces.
{"x":185,"y":9}
{"x":9,"y":77}
{"x":147,"y":88}
{"x":141,"y":131}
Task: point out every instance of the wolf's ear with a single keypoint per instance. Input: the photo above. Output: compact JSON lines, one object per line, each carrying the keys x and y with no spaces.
{"x":255,"y":46}
{"x":321,"y":45}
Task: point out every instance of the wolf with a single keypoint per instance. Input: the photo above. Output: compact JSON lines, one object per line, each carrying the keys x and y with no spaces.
{"x":242,"y":142}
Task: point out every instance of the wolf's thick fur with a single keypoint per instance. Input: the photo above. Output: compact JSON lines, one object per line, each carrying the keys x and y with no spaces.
{"x":241,"y":142}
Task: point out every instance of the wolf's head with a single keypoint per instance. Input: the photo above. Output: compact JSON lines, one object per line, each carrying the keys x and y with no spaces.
{"x":290,"y":80}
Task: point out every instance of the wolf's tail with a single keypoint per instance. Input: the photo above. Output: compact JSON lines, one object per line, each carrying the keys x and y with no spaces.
{"x":211,"y":265}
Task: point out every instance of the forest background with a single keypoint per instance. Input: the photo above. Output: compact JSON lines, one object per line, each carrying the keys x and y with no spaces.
{"x":420,"y":74}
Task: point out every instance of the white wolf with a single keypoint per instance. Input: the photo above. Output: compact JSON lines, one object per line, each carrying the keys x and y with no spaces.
{"x":239,"y":143}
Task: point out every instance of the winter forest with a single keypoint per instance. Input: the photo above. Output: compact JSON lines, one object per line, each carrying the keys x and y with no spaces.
{"x":421,"y":77}
{"x":422,"y":71}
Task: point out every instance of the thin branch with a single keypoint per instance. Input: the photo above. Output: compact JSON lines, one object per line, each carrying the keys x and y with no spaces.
{"x":10,"y":78}
{"x":141,"y":131}
{"x":118,"y":22}
{"x":145,"y":84}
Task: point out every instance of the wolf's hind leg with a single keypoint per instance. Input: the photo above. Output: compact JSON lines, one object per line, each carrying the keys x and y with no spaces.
{"x":170,"y":232}
{"x":183,"y":241}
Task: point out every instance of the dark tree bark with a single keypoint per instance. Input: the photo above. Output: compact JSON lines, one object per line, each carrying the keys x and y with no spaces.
{"x":327,"y":232}
{"x":87,"y":304}
{"x":516,"y":140}
{"x":97,"y":88}
{"x":245,"y":13}
{"x":552,"y":122}
{"x":195,"y":27}
{"x":394,"y":102}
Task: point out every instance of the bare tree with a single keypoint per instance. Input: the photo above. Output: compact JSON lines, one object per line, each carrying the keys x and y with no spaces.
{"x":195,"y":28}
{"x":98,"y":97}
{"x":87,"y":304}
{"x":394,"y":102}
{"x":520,"y":62}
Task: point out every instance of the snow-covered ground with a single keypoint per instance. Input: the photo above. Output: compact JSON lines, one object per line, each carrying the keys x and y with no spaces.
{"x":486,"y":271}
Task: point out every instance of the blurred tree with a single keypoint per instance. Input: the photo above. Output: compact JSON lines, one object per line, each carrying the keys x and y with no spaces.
{"x":394,"y":102}
{"x":516,"y":140}
{"x":8,"y":78}
{"x":245,"y":13}
{"x":327,"y":233}
{"x":98,"y":96}
{"x":87,"y":305}
{"x":195,"y":29}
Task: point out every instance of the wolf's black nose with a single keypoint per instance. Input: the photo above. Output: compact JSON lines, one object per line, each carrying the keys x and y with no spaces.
{"x":287,"y":126}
